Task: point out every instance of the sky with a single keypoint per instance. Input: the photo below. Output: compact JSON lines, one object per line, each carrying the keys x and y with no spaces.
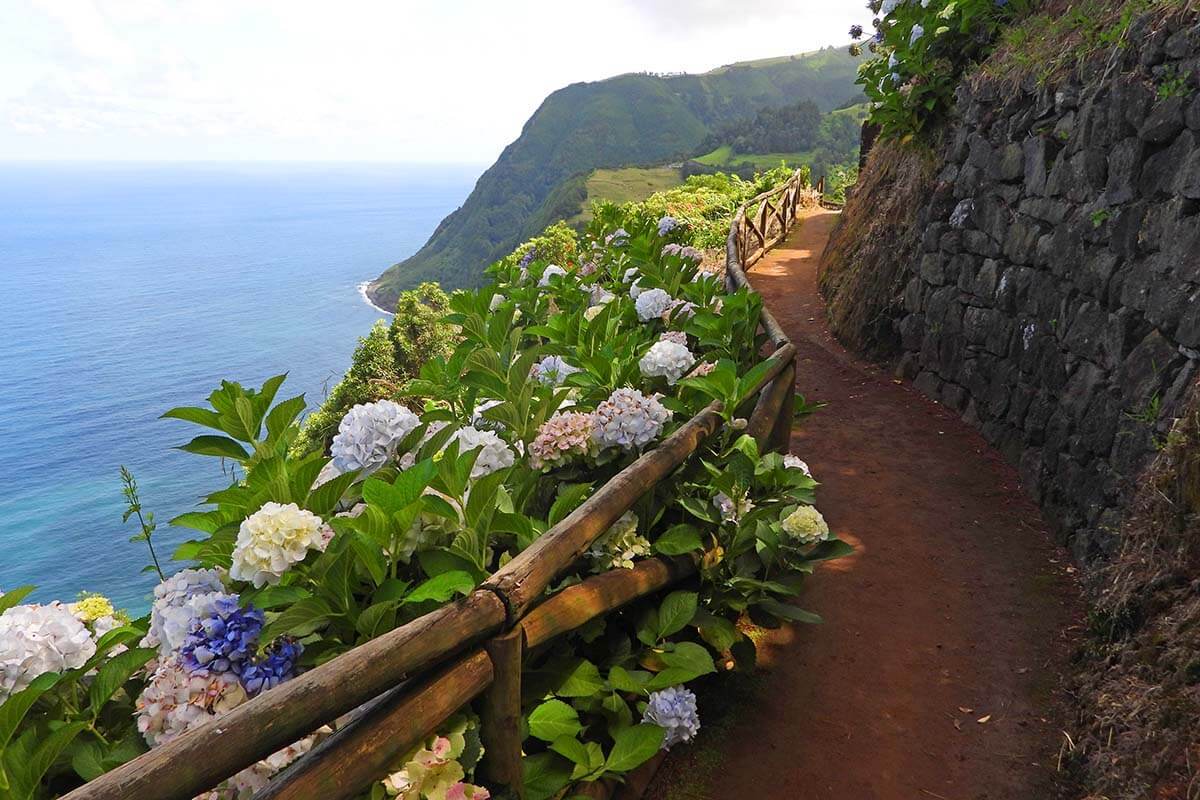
{"x":434,"y":81}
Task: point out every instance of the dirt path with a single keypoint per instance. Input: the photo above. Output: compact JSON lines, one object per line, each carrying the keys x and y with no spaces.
{"x":934,"y":675}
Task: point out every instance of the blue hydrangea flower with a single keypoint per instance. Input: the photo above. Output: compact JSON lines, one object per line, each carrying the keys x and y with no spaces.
{"x":666,"y":225}
{"x":225,"y":639}
{"x":528,"y":258}
{"x":673,"y":710}
{"x":277,"y":666}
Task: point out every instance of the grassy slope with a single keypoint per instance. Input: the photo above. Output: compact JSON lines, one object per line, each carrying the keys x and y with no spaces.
{"x":630,"y":119}
{"x":625,"y":185}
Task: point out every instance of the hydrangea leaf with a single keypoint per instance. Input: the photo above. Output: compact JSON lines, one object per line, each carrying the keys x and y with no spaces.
{"x":582,"y":680}
{"x":679,"y":540}
{"x":544,"y":775}
{"x":442,"y":587}
{"x":113,"y":674}
{"x":553,"y":720}
{"x":676,"y":612}
{"x":634,"y":746}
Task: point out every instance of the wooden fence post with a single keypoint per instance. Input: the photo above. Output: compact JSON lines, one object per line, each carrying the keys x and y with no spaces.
{"x":781,"y":436}
{"x":500,"y":715}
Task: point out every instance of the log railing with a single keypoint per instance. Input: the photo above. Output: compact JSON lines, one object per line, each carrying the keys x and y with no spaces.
{"x":386,"y":696}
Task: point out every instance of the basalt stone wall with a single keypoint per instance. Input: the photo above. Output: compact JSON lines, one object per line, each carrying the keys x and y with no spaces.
{"x":1056,"y":303}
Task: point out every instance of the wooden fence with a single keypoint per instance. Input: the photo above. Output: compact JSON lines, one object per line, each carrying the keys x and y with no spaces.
{"x":388,"y":695}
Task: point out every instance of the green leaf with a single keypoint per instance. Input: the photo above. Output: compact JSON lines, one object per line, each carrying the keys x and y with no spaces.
{"x":635,"y":746}
{"x":718,"y":632}
{"x":442,"y":587}
{"x":301,"y":619}
{"x":88,"y":760}
{"x":544,"y":775}
{"x":14,"y":709}
{"x":376,"y":616}
{"x":676,"y":612}
{"x":829,"y":549}
{"x":700,"y":509}
{"x":199,"y":416}
{"x":14,"y":596}
{"x":270,"y":598}
{"x":678,"y":540}
{"x":784,"y":611}
{"x":569,"y":498}
{"x":554,"y":719}
{"x":112,"y":676}
{"x":283,"y":415}
{"x":323,"y":500}
{"x":685,"y":662}
{"x":624,"y":680}
{"x":571,"y":749}
{"x":27,"y":774}
{"x":582,"y":680}
{"x":220,"y":446}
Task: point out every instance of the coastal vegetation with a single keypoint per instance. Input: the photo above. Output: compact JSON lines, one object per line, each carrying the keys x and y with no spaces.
{"x":519,"y":401}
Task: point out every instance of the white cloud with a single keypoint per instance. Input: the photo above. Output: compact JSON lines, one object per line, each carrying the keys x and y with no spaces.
{"x":357,"y":79}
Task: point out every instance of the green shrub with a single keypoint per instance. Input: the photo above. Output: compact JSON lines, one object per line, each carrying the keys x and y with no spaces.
{"x":385,"y":358}
{"x":923,"y":50}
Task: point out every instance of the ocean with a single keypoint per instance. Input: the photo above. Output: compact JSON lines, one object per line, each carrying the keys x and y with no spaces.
{"x":131,"y":289}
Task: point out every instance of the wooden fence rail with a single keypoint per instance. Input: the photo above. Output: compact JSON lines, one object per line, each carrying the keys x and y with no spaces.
{"x":392,"y":692}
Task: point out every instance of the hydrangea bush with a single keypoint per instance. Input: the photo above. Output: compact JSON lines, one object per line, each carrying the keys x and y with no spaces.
{"x":922,"y":49}
{"x":553,"y":386}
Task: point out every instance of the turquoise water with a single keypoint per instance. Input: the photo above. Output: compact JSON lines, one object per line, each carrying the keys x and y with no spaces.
{"x":132,"y":289}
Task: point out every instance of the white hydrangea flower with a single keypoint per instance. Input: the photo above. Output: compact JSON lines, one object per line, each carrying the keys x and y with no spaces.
{"x":271,"y":540}
{"x":36,"y":639}
{"x":619,"y":545}
{"x":673,"y":710}
{"x":678,"y":337}
{"x":369,"y":433}
{"x":184,"y":596}
{"x":552,"y":370}
{"x":635,"y":289}
{"x":917,"y":33}
{"x":629,"y":419}
{"x":652,"y":304}
{"x":496,"y":302}
{"x":731,"y":511}
{"x":889,"y":6}
{"x":591,"y":312}
{"x":631,"y":275}
{"x":494,"y":452}
{"x":794,"y":462}
{"x":551,"y":270}
{"x":176,"y":700}
{"x":667,"y":359}
{"x":806,"y":526}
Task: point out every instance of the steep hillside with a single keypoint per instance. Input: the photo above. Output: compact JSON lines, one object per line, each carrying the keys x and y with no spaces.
{"x":627,"y":120}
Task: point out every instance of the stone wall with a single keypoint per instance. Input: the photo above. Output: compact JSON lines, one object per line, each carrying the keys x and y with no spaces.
{"x":1056,"y":303}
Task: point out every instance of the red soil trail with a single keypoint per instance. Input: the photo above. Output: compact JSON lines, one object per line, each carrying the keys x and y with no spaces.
{"x":936,"y":672}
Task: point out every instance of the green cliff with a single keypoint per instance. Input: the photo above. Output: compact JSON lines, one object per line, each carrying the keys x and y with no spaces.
{"x":626,"y":120}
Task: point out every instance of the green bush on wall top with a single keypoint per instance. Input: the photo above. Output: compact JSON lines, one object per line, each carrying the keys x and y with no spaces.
{"x":924,"y":47}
